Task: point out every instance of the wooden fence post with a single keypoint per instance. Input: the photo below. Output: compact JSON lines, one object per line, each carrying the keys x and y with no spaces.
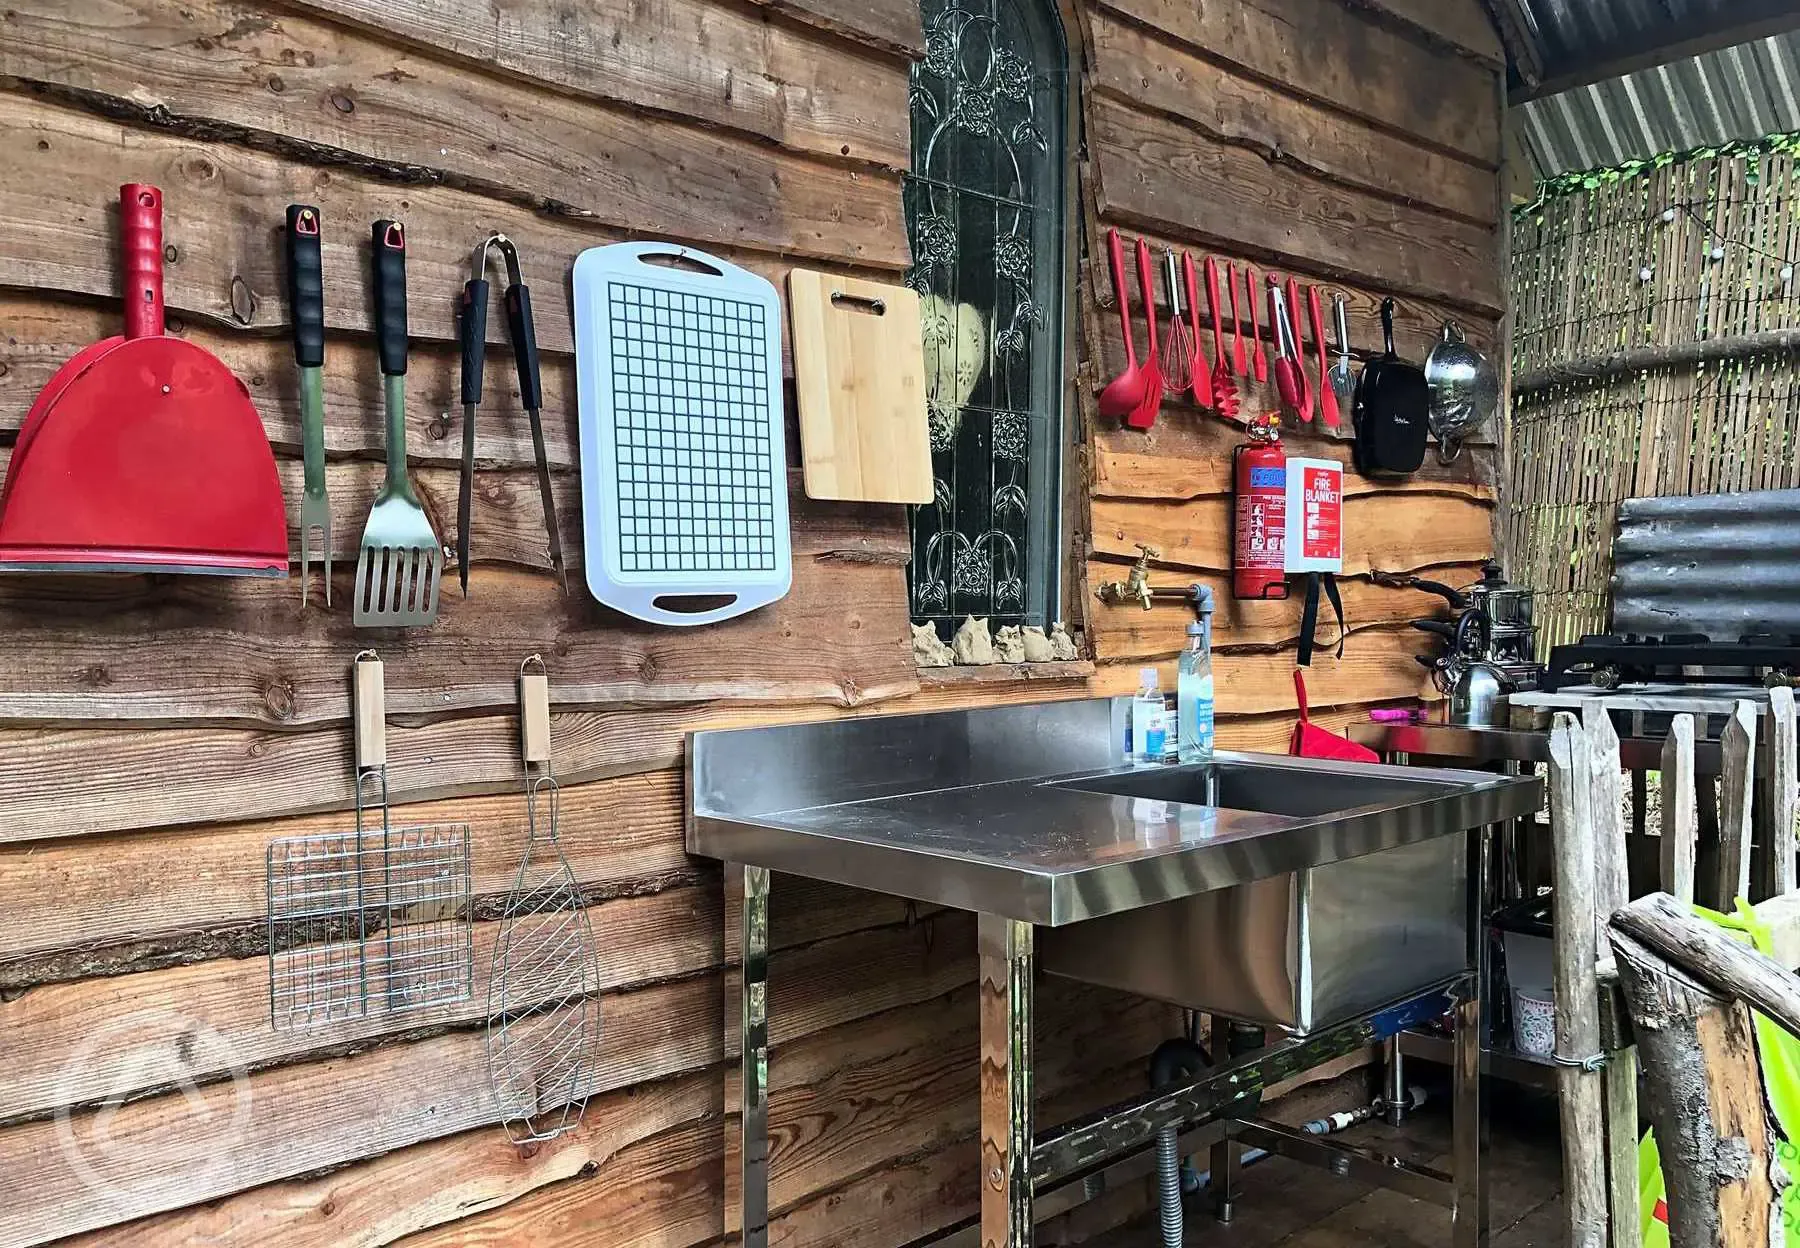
{"x":1612,"y":889}
{"x":1580,"y":1099}
{"x":1783,"y":736}
{"x":1737,"y":781}
{"x":1680,"y":827}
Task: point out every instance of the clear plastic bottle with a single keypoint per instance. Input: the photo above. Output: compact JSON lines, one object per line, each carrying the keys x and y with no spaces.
{"x":1194,"y":687}
{"x":1149,"y":719}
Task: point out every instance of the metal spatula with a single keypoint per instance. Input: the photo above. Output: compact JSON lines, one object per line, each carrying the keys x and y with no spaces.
{"x":401,"y":560}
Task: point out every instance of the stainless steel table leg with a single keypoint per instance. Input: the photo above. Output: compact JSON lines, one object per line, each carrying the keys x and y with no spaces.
{"x":1223,"y":1182}
{"x":754,"y":1032}
{"x":1393,"y":1081}
{"x":1006,"y":1081}
{"x":1470,"y":1219}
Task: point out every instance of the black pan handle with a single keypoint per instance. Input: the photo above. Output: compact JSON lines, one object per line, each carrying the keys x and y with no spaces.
{"x":525,"y":351}
{"x":306,"y":285}
{"x":1387,"y":326}
{"x":1452,"y":596}
{"x":390,"y":296}
{"x":471,"y":329}
{"x":1437,"y":628}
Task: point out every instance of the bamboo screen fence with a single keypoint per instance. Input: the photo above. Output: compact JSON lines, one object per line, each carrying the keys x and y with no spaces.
{"x":1656,"y":351}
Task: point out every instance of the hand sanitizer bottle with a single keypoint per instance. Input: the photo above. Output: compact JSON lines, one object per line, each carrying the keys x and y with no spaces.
{"x":1149,"y":720}
{"x":1194,"y":686}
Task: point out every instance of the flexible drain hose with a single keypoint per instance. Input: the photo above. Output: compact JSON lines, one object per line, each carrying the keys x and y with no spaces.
{"x":1173,"y":1061}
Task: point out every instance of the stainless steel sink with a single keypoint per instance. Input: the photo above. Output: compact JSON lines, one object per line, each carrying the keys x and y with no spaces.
{"x":1266,"y":789}
{"x":1287,"y":891}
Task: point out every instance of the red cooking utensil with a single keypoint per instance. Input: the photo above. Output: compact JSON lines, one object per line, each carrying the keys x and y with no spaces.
{"x":1328,"y":406}
{"x":1237,"y":333}
{"x":1293,"y":314}
{"x":1289,"y":370}
{"x":1123,"y":393}
{"x":143,"y":453}
{"x":1225,"y":391}
{"x":1145,"y":413}
{"x":1203,"y":382}
{"x":1258,"y":361}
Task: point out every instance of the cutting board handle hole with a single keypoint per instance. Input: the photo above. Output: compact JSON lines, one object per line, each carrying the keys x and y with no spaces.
{"x":859,"y":303}
{"x":694,"y":604}
{"x":677,"y":260}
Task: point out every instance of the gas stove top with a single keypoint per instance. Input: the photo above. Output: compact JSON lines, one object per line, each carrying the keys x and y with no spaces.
{"x":1611,"y":661}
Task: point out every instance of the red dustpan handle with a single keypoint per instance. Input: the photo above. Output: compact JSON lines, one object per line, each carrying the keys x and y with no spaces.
{"x":140,"y":238}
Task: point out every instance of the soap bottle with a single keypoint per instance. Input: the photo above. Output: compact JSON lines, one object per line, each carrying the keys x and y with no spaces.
{"x":1149,"y":719}
{"x":1194,"y":686}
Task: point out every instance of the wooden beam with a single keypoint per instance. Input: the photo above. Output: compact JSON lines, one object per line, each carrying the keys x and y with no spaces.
{"x":1665,"y":43}
{"x":1707,"y":1101}
{"x":1643,"y":359}
{"x":1123,"y":471}
{"x":1580,"y":1091}
{"x":1377,"y":666}
{"x":1704,"y":951}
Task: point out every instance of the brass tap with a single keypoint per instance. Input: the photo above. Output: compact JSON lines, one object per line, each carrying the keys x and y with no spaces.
{"x":1136,"y":585}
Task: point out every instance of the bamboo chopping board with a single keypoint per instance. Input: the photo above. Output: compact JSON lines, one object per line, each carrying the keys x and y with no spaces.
{"x":859,"y":374}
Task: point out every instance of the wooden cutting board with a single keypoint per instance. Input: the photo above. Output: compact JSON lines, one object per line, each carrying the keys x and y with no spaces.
{"x":859,"y":373}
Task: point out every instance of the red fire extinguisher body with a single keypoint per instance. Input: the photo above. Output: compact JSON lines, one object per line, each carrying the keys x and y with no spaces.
{"x":1259,"y":483}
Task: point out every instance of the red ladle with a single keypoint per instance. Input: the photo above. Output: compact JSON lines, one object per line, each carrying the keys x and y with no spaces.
{"x":1125,"y":392}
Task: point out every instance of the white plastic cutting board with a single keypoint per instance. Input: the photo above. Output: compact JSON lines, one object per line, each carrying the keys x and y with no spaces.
{"x":683,"y":464}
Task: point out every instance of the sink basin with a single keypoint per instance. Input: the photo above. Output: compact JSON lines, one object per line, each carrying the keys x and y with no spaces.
{"x":1297,"y":950}
{"x":1269,"y":790}
{"x":1288,"y":891}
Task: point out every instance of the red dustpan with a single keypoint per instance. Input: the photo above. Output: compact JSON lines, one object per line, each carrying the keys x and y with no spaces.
{"x":143,"y":453}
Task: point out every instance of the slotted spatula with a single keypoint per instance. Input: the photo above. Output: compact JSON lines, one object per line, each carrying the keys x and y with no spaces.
{"x":401,"y":560}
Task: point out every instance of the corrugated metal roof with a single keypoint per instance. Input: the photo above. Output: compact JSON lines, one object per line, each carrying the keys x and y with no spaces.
{"x":1738,"y":93}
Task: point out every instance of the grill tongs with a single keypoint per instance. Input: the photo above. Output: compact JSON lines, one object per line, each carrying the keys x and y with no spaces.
{"x":472,"y":331}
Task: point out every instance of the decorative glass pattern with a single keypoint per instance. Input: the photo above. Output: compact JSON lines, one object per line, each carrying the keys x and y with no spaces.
{"x":985,"y":209}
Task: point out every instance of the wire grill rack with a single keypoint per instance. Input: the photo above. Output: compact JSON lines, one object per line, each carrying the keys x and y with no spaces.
{"x":361,"y":924}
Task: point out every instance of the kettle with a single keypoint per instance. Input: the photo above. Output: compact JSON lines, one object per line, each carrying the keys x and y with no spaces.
{"x":1475,"y":698}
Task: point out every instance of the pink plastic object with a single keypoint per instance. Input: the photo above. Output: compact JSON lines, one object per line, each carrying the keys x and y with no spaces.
{"x":1145,"y":413}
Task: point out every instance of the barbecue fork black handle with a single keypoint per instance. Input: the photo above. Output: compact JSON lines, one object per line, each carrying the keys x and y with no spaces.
{"x":525,"y":352}
{"x":1387,"y":325}
{"x":306,"y":285}
{"x":471,"y":327}
{"x":390,"y":296}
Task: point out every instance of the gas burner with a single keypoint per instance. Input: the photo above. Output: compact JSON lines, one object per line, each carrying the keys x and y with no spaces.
{"x":1610,"y":661}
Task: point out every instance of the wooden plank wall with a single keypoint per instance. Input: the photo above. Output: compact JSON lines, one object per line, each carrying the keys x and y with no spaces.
{"x":158,"y":732}
{"x":1354,"y":145}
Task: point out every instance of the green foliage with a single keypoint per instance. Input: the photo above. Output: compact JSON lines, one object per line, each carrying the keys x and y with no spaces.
{"x":1583,"y":181}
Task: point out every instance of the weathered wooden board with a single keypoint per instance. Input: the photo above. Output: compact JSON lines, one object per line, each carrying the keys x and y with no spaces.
{"x":702,"y":60}
{"x":223,"y":211}
{"x":843,"y":1101}
{"x":199,"y":892}
{"x":1128,"y":473}
{"x":1339,"y":56}
{"x":151,"y":1154}
{"x":1390,"y":532}
{"x":1463,"y":24}
{"x":1184,"y":435}
{"x":1417,"y":321}
{"x":386,"y":110}
{"x":217,"y":651}
{"x":890,"y":25}
{"x":1128,"y":632}
{"x":1151,"y":171}
{"x":1377,"y":667}
{"x":1140,"y":69}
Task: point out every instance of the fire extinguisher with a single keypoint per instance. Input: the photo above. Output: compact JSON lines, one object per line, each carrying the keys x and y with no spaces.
{"x":1259,"y":481}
